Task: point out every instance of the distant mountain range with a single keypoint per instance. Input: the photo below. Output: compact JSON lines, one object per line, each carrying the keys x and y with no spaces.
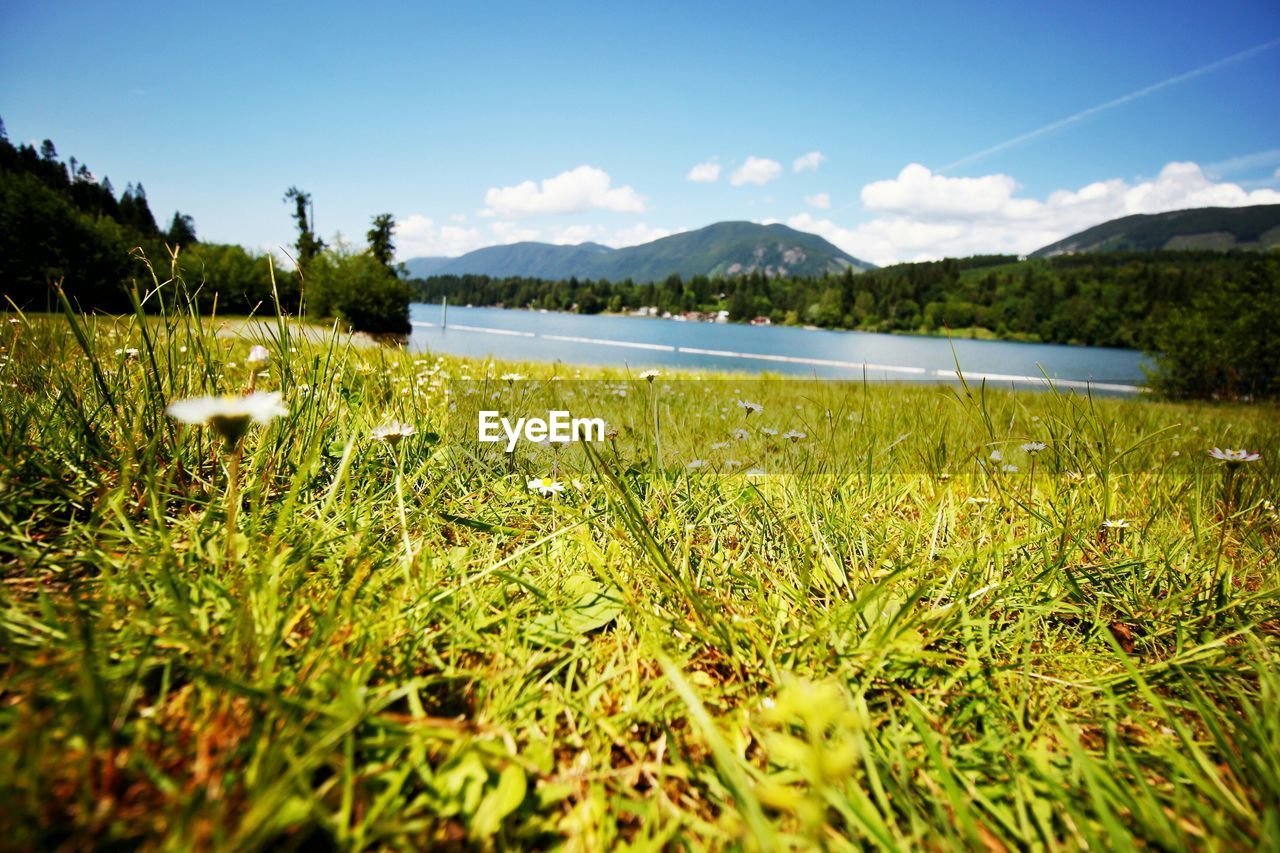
{"x":722,"y":249}
{"x":1256,"y":228}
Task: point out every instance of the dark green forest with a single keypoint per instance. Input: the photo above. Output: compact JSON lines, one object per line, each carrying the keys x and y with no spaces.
{"x":62,"y":226}
{"x":1146,"y":300}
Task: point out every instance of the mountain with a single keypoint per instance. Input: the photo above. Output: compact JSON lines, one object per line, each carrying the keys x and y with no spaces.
{"x":722,"y":249}
{"x":425,"y":266}
{"x":1256,"y":227}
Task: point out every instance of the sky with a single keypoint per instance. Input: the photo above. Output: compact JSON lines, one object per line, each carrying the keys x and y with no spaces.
{"x":900,"y":132}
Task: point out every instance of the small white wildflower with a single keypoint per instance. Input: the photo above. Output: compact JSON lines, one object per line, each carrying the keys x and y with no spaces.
{"x":127,"y":352}
{"x":512,"y":377}
{"x":750,"y":408}
{"x":230,"y":416}
{"x":696,"y":464}
{"x":1235,"y":457}
{"x":769,"y":431}
{"x":1115,"y":524}
{"x":979,"y":501}
{"x":545,"y":486}
{"x":1033,"y":447}
{"x":996,"y":456}
{"x":741,"y":434}
{"x":258,"y":355}
{"x":650,"y":375}
{"x":719,"y":445}
{"x":1009,"y":469}
{"x":794,"y":436}
{"x":392,"y":432}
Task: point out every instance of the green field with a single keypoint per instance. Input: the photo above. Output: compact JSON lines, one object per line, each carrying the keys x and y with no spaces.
{"x":874,"y":635}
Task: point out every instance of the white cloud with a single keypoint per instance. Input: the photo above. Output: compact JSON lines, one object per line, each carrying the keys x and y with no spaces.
{"x":418,"y":235}
{"x":925,"y":215}
{"x":639,"y":233}
{"x":510,"y":232}
{"x":812,"y":160}
{"x":572,"y":235}
{"x":581,"y":189}
{"x":632,"y":235}
{"x":757,"y":170}
{"x":818,"y":200}
{"x":704,"y":173}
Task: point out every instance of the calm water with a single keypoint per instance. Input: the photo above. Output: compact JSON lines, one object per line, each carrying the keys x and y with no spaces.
{"x":648,"y":342}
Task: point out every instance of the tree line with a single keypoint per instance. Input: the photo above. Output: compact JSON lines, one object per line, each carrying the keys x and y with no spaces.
{"x":62,"y":225}
{"x":1154,"y":301}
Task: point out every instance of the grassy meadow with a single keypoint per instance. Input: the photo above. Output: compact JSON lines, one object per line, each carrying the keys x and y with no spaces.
{"x":838,"y":621}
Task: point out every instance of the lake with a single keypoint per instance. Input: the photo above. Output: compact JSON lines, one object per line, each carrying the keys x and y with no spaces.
{"x":641,"y":342}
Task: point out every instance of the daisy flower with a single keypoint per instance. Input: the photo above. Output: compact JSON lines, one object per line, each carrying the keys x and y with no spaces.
{"x":1033,"y":447}
{"x":1235,"y":457}
{"x":996,"y":456}
{"x":392,"y":432}
{"x":545,"y":486}
{"x":650,"y":375}
{"x":258,"y":355}
{"x":794,"y":435}
{"x":750,"y":408}
{"x":230,"y":416}
{"x":1115,"y":524}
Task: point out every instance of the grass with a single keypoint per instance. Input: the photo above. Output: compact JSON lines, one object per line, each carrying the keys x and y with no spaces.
{"x":879,"y":638}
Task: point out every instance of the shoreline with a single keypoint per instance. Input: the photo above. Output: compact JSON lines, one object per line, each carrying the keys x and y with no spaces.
{"x":993,"y":338}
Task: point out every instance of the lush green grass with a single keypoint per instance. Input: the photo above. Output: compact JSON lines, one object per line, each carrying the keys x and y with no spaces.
{"x":408,"y":647}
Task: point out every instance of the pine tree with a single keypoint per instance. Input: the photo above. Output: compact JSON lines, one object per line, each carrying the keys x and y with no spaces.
{"x":380,"y":243}
{"x":304,"y":215}
{"x":182,"y":231}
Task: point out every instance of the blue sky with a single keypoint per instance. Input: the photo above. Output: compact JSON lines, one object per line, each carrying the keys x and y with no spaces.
{"x":484,"y":123}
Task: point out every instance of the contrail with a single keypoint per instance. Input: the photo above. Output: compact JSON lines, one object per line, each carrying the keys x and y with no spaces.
{"x":1123,"y":99}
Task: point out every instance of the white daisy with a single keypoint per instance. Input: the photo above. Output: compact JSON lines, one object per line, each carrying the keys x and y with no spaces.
{"x":545,"y":486}
{"x":696,"y":464}
{"x":1115,"y":524}
{"x":741,"y":434}
{"x":794,"y":435}
{"x":996,"y":456}
{"x":230,"y":416}
{"x":769,"y":431}
{"x":1033,"y":447}
{"x":392,"y":432}
{"x":258,"y":355}
{"x":512,"y":377}
{"x":127,"y":352}
{"x":750,"y":408}
{"x":1235,"y":457}
{"x":650,"y":375}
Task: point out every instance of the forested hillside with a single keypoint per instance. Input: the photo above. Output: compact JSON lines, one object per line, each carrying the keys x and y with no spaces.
{"x":62,"y":226}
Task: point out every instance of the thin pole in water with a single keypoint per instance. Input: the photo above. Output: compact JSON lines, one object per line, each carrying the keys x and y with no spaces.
{"x":444,"y":311}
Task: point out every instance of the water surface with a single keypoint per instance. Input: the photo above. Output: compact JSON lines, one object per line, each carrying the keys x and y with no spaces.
{"x":641,"y":342}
